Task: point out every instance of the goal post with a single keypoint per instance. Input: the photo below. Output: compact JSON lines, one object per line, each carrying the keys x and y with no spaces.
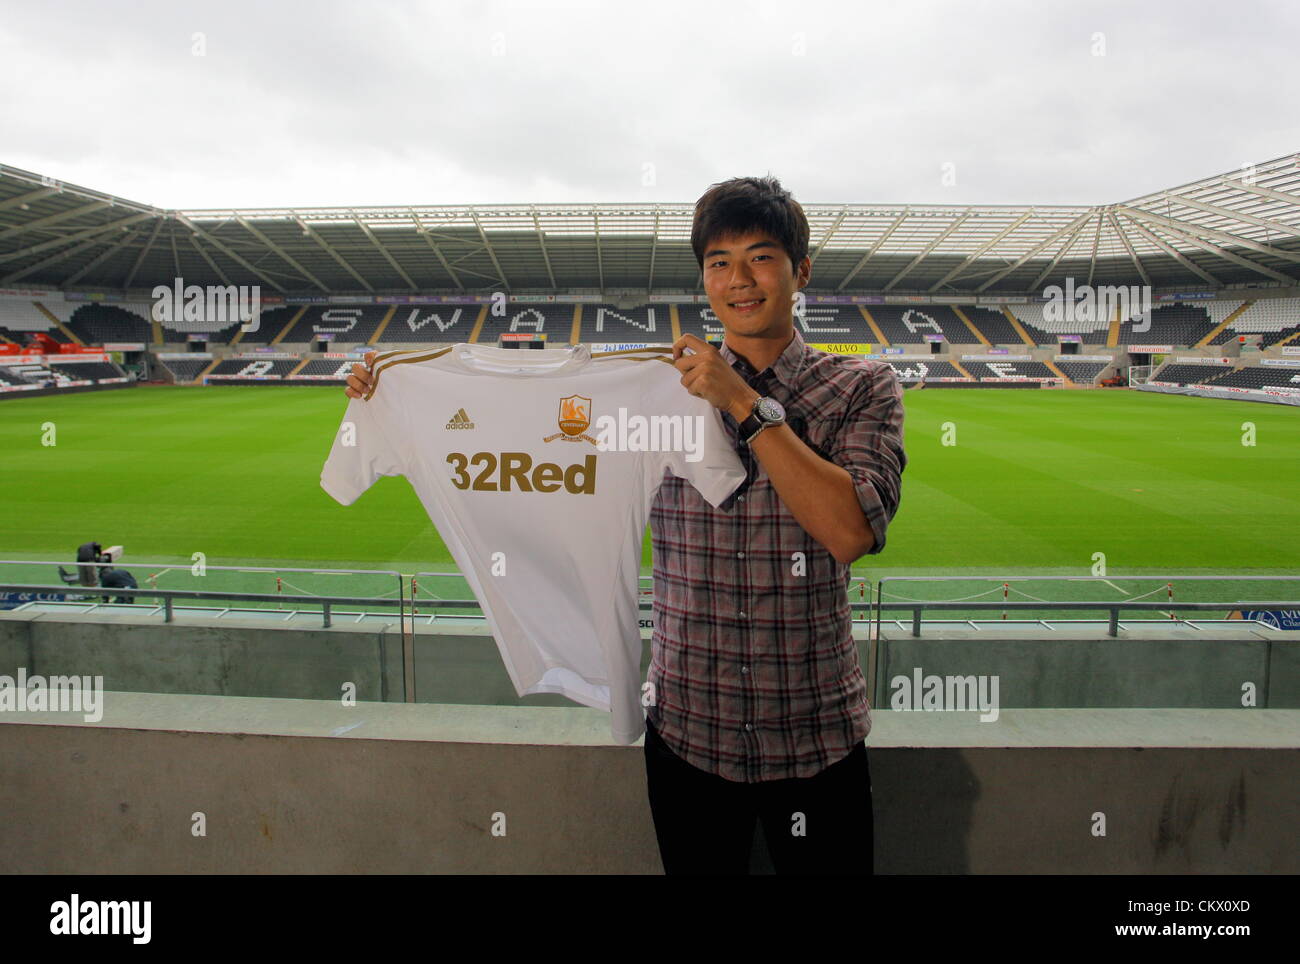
{"x":1140,"y":374}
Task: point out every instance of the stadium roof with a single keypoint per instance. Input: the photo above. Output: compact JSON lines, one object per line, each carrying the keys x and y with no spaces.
{"x":1230,"y":230}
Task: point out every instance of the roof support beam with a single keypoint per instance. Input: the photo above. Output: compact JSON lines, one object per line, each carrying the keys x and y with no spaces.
{"x":329,"y":249}
{"x":1191,"y":230}
{"x":52,"y":259}
{"x":654,"y":249}
{"x":1073,"y":225}
{"x":600,"y":261}
{"x":1261,"y":191}
{"x":117,"y":225}
{"x":1266,"y":223}
{"x":427,"y":233}
{"x":1228,"y":255}
{"x":1060,"y":253}
{"x":541,"y":243}
{"x":216,"y":243}
{"x":1096,"y":242}
{"x":28,"y":198}
{"x":1128,"y":245}
{"x":927,"y":249}
{"x":283,"y":254}
{"x":971,"y":258}
{"x":157,"y":229}
{"x":52,"y":219}
{"x":898,"y":221}
{"x":487,"y":245}
{"x":99,"y":259}
{"x":830,"y":233}
{"x":1173,"y":253}
{"x":208,"y":258}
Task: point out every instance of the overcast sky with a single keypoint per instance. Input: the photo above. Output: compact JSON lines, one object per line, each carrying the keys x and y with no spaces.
{"x":195,"y":105}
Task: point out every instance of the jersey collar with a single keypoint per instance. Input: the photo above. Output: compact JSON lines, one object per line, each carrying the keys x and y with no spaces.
{"x":521,"y":362}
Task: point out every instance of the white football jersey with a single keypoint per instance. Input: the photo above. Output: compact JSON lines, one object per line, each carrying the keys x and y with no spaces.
{"x":538,"y":468}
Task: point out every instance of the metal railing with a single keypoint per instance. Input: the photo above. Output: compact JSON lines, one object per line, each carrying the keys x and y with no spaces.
{"x":150,"y":590}
{"x":1112,"y":607}
{"x":327,"y":603}
{"x":881,"y":601}
{"x":409,"y":605}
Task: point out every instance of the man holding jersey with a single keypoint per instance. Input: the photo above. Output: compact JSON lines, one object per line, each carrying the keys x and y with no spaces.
{"x":759,"y":707}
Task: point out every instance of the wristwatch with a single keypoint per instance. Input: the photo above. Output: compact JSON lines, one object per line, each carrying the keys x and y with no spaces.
{"x":767,"y":412}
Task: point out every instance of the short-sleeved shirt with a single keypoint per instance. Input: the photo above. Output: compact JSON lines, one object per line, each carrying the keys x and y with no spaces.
{"x":754,"y":669}
{"x":538,"y":469}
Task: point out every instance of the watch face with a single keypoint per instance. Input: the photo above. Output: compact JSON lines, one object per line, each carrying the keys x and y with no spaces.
{"x":770,"y":410}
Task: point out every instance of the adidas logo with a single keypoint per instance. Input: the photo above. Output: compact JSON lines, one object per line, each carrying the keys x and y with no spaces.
{"x":460,"y":420}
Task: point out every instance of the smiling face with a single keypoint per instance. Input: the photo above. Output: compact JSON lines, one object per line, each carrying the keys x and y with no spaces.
{"x":752,"y":267}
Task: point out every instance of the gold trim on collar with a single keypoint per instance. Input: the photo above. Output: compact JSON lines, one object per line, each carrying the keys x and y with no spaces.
{"x":418,"y":356}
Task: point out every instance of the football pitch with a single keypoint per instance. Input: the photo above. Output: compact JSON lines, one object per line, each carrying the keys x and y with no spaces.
{"x":998,"y":482}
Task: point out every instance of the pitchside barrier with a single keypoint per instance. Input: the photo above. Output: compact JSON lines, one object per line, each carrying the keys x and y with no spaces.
{"x":1195,"y":632}
{"x":981,"y":602}
{"x":969,"y":600}
{"x":285,"y":590}
{"x":972,"y":601}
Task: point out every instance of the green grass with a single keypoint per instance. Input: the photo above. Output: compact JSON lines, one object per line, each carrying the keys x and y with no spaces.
{"x":1038,"y":482}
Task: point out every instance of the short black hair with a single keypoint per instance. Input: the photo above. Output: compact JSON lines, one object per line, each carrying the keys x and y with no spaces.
{"x":745,"y":204}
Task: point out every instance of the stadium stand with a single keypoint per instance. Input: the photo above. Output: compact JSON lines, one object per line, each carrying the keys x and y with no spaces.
{"x":925,"y":371}
{"x":20,"y":317}
{"x":269,"y":325}
{"x":834,"y":323}
{"x":1082,"y":373}
{"x":652,"y":324}
{"x":701,"y":321}
{"x":1190,"y":374}
{"x":347,"y":323}
{"x":327,"y":369}
{"x":37,"y":373}
{"x":8,"y":376}
{"x":909,"y":324}
{"x":1045,"y":332}
{"x":424,"y":324}
{"x":819,"y":324}
{"x":81,"y":371}
{"x":1009,"y":369}
{"x":185,"y":369}
{"x":1262,"y":376}
{"x":1276,"y":318}
{"x":95,"y":324}
{"x":253,"y":368}
{"x":555,"y":321}
{"x":993,"y":325}
{"x":1176,"y":324}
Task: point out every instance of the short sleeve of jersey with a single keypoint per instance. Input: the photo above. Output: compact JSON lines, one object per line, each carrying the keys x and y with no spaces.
{"x":706,"y":458}
{"x":363,"y":447}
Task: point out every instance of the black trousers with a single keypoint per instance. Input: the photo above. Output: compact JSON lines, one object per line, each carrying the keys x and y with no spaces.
{"x":705,"y":824}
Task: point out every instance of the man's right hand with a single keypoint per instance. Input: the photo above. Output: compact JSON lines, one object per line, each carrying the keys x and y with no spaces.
{"x":362,"y":378}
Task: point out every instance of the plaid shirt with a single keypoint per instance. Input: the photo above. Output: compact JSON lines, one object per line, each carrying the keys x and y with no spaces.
{"x":753,"y":664}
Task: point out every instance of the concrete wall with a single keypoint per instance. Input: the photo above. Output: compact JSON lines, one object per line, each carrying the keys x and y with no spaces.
{"x":299,"y":659}
{"x":300,"y":786}
{"x":1181,"y":667}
